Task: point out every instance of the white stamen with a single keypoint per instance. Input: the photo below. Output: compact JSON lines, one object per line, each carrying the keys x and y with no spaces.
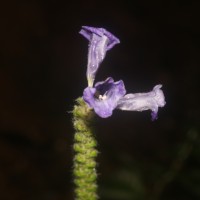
{"x":102,"y":97}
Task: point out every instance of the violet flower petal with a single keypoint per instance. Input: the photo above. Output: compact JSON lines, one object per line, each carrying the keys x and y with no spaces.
{"x":143,"y":101}
{"x":87,"y":31}
{"x":104,"y":96}
{"x":100,"y":42}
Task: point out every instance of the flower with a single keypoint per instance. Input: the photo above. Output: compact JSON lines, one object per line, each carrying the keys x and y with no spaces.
{"x":100,"y":41}
{"x":143,"y":101}
{"x":105,"y":96}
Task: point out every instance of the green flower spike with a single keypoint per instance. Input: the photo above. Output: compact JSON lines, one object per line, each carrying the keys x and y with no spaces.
{"x":85,"y":153}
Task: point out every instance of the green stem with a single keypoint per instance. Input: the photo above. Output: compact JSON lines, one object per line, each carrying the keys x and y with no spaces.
{"x":85,"y":153}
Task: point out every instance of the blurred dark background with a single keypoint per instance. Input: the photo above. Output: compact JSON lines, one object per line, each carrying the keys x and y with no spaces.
{"x":43,"y":62}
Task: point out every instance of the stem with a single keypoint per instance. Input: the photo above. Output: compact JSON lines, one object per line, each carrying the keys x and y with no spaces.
{"x":85,"y":153}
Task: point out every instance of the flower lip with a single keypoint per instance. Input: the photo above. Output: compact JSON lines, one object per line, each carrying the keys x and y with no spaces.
{"x":159,"y":96}
{"x":100,"y":41}
{"x":104,"y":86}
{"x":103,"y":97}
{"x":87,"y":32}
{"x":143,"y":101}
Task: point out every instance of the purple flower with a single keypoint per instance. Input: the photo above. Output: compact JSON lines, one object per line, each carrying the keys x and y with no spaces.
{"x":100,"y":41}
{"x":108,"y":95}
{"x":104,"y":96}
{"x":143,"y":101}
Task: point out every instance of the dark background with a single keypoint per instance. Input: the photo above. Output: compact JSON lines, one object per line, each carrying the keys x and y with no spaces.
{"x":43,"y":62}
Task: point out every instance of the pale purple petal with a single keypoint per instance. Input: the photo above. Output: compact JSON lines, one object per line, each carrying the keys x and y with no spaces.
{"x":143,"y":101}
{"x":154,"y":115}
{"x":104,"y":96}
{"x":100,"y":42}
{"x":88,"y":96}
{"x":87,"y":31}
